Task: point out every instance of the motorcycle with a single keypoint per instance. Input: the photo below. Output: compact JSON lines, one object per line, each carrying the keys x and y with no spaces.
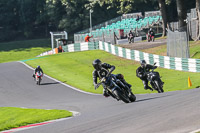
{"x":131,"y":38}
{"x":117,"y":89}
{"x":150,"y":37}
{"x":155,"y":80}
{"x":38,"y":77}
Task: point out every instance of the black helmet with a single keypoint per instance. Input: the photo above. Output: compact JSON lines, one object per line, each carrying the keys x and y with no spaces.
{"x":96,"y":64}
{"x":38,"y":67}
{"x":143,"y":63}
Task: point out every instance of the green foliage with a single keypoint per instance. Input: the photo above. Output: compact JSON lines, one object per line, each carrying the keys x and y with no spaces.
{"x":36,"y":18}
{"x":13,"y":117}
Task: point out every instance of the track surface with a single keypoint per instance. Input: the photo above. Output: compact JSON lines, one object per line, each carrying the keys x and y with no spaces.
{"x":172,"y":112}
{"x":144,"y":44}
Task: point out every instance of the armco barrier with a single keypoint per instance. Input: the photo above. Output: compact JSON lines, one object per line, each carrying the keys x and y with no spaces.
{"x":73,"y":48}
{"x":182,"y":64}
{"x":81,"y":46}
{"x":48,"y":53}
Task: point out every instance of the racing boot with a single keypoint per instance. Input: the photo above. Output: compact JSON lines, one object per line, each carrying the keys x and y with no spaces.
{"x":150,"y":88}
{"x":105,"y":93}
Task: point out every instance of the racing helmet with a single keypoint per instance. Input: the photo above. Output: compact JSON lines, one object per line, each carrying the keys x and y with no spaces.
{"x":143,"y":63}
{"x":96,"y":64}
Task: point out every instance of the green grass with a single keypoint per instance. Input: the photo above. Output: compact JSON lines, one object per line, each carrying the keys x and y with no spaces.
{"x":12,"y":117}
{"x":19,"y":50}
{"x":162,"y":50}
{"x":76,"y":69}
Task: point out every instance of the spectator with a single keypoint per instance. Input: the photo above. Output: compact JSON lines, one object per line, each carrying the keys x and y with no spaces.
{"x":138,"y":18}
{"x":87,"y":38}
{"x":60,"y":49}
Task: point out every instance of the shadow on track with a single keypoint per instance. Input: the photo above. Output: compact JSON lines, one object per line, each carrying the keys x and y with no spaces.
{"x":142,"y":100}
{"x":50,"y":83}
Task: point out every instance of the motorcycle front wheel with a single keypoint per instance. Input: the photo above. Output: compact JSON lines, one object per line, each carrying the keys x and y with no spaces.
{"x":159,"y":88}
{"x":39,"y":81}
{"x":132,"y":97}
{"x":121,"y":96}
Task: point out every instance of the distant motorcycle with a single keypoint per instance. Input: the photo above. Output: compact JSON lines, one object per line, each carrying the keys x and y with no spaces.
{"x":38,"y":77}
{"x":117,"y":89}
{"x":131,"y":38}
{"x":155,"y":80}
{"x":150,"y":38}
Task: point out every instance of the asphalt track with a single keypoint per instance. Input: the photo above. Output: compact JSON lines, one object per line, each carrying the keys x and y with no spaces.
{"x":171,"y":112}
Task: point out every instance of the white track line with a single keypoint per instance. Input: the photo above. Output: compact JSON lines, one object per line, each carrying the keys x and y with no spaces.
{"x":60,"y":81}
{"x":198,"y":130}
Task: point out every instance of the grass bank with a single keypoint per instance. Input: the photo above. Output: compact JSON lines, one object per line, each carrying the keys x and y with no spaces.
{"x":12,"y":117}
{"x":19,"y":50}
{"x":76,"y":69}
{"x":162,"y":50}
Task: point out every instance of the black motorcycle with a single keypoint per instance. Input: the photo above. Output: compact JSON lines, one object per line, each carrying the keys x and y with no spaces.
{"x":117,"y":89}
{"x":155,"y":80}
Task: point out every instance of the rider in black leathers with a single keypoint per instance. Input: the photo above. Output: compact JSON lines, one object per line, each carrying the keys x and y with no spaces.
{"x":151,"y":32}
{"x":102,"y":70}
{"x":141,"y":73}
{"x":38,"y":68}
{"x":130,"y":37}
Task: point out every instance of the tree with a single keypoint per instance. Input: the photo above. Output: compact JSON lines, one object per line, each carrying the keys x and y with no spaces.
{"x":198,"y":18}
{"x":162,"y":5}
{"x":182,"y":14}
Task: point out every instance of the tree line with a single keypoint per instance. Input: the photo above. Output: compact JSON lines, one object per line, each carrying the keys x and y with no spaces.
{"x":29,"y":19}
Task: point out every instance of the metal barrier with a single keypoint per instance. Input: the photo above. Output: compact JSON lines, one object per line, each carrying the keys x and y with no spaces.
{"x":182,"y":64}
{"x":177,"y":44}
{"x":152,"y":13}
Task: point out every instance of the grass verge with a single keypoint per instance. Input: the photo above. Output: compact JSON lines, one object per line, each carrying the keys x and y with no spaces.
{"x":19,"y":50}
{"x":162,"y":50}
{"x":13,"y":117}
{"x":76,"y":70}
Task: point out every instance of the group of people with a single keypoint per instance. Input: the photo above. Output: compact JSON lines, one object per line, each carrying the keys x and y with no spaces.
{"x":104,"y":69}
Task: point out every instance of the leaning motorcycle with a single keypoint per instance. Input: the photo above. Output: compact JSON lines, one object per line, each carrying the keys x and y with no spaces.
{"x":38,"y":77}
{"x":155,"y":80}
{"x":117,"y":89}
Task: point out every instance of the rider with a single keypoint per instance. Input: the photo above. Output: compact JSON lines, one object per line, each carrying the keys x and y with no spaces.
{"x":141,"y":73}
{"x":130,"y":36}
{"x":37,"y":69}
{"x":102,"y":70}
{"x":151,"y":32}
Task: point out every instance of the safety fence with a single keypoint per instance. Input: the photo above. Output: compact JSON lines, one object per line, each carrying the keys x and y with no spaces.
{"x":48,"y":53}
{"x":73,"y":48}
{"x":81,"y":46}
{"x":182,"y":64}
